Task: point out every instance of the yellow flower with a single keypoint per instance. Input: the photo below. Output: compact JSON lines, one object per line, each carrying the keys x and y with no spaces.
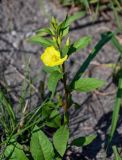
{"x":51,"y":57}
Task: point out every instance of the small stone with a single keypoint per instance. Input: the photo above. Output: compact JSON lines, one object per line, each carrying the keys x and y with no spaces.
{"x":14,"y":33}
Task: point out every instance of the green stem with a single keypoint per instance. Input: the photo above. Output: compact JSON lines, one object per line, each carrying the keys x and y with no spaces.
{"x":64,"y":80}
{"x":65,"y":89}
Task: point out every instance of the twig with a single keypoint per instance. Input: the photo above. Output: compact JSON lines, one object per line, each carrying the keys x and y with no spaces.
{"x":104,"y":94}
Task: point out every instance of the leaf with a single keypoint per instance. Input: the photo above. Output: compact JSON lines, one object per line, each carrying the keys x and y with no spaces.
{"x":116,"y":154}
{"x":14,"y":151}
{"x":64,"y":26}
{"x":88,"y":84}
{"x":117,"y":105}
{"x":37,"y":39}
{"x":51,"y":69}
{"x":116,"y":15}
{"x":66,"y":2}
{"x":65,"y":31}
{"x":81,"y":43}
{"x":86,"y":3}
{"x":93,"y":1}
{"x":83,"y":141}
{"x":58,"y":158}
{"x":104,"y":39}
{"x":60,"y":139}
{"x":54,"y":24}
{"x":8,"y":107}
{"x":54,"y":119}
{"x":116,"y":44}
{"x":53,"y":80}
{"x":47,"y":109}
{"x":74,"y":17}
{"x":40,"y":146}
{"x":43,"y":32}
{"x":65,"y":50}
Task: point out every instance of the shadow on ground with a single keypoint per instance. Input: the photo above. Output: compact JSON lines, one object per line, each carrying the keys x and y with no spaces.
{"x":90,"y":152}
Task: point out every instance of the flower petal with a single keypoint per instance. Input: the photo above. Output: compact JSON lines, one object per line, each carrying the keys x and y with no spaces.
{"x":51,"y":57}
{"x":61,"y":61}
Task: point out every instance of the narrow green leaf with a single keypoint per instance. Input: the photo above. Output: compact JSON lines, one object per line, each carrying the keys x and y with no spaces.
{"x":93,"y":1}
{"x":116,"y":109}
{"x":60,"y":139}
{"x":63,"y":28}
{"x":86,"y":3}
{"x":37,"y":39}
{"x":40,"y":146}
{"x":88,"y":84}
{"x":15,"y":152}
{"x":65,"y":50}
{"x":66,"y":2}
{"x":58,"y":158}
{"x":43,"y":32}
{"x":116,"y":44}
{"x":74,"y":17}
{"x":83,"y":141}
{"x":116,"y":15}
{"x":69,"y":19}
{"x":116,"y":154}
{"x":8,"y":107}
{"x":104,"y":39}
{"x":79,"y":44}
{"x":53,"y":80}
{"x":54,"y":24}
{"x":65,"y":31}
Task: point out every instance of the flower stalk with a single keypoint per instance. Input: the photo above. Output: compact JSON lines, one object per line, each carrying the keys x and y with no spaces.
{"x":65,"y":89}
